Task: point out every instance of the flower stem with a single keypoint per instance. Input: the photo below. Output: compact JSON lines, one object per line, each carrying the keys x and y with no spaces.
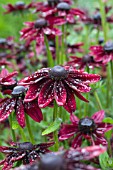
{"x":55,"y":115}
{"x":12,"y":131}
{"x":22,"y":134}
{"x":111,"y":64}
{"x":98,"y":101}
{"x":29,"y":129}
{"x":108,"y":85}
{"x":49,"y":55}
{"x":103,"y":16}
{"x":63,"y":55}
{"x":57,"y":50}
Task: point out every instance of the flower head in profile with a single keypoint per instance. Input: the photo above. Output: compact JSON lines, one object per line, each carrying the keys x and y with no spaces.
{"x":16,"y":103}
{"x":6,"y":78}
{"x":19,"y":6}
{"x":47,"y":8}
{"x":104,"y":53}
{"x":67,"y":160}
{"x":63,"y":9}
{"x":96,"y":19}
{"x":36,"y":31}
{"x":72,"y":49}
{"x":27,"y":152}
{"x":92,"y":129}
{"x":83,"y":62}
{"x":58,"y":83}
{"x":7,"y":43}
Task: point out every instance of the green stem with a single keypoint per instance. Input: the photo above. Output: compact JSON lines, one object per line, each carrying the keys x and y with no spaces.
{"x":111,"y":64}
{"x":98,"y":101}
{"x":57,"y":50}
{"x":63,"y":56}
{"x":22,"y":134}
{"x":103,"y":16}
{"x":86,"y":106}
{"x":29,"y":129}
{"x":12,"y":131}
{"x":108,"y":86}
{"x":55,"y":115}
{"x":49,"y":55}
{"x":86,"y":39}
{"x":97,"y":35}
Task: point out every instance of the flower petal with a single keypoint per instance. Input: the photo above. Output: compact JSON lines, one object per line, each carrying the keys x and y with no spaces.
{"x":98,"y":116}
{"x":80,"y":96}
{"x":99,"y":140}
{"x":77,"y":85}
{"x":70,"y":104}
{"x":20,"y":113}
{"x":35,"y":77}
{"x":6,"y":107}
{"x":46,"y":94}
{"x":74,"y":119}
{"x":67,"y":131}
{"x":32,"y":93}
{"x":33,"y":110}
{"x":103,"y":127}
{"x":83,"y":77}
{"x":60,"y":93}
{"x":77,"y":141}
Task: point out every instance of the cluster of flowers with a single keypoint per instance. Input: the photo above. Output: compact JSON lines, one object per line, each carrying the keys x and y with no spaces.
{"x":54,"y":85}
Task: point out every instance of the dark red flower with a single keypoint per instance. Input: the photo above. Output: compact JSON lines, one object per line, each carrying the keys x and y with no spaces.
{"x":19,"y":6}
{"x":47,"y":8}
{"x":4,"y":62}
{"x":7,"y":105}
{"x":91,"y":129}
{"x":36,"y":30}
{"x":72,"y":49}
{"x":27,"y":152}
{"x":7,"y":43}
{"x":85,"y":61}
{"x":6,"y":78}
{"x":59,"y":83}
{"x":71,"y":159}
{"x":96,"y":19}
{"x":63,"y":9}
{"x":104,"y":53}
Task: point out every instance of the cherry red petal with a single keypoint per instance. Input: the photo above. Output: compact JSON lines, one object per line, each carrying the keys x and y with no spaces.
{"x":60,"y":93}
{"x":20,"y":113}
{"x":80,"y":96}
{"x":77,"y":85}
{"x":32,"y":92}
{"x":46,"y":94}
{"x":33,"y":110}
{"x":98,"y":116}
{"x":83,"y":76}
{"x":77,"y":141}
{"x":70,"y":104}
{"x":4,"y":73}
{"x":103,"y":127}
{"x":99,"y":140}
{"x":35,"y":77}
{"x":67,"y":131}
{"x":74,"y":119}
{"x":6,"y":107}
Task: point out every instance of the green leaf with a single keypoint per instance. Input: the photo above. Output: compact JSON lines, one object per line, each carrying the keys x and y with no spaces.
{"x":43,"y":124}
{"x":108,"y":120}
{"x":53,"y":126}
{"x":15,"y":125}
{"x":1,"y":95}
{"x":105,"y":161}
